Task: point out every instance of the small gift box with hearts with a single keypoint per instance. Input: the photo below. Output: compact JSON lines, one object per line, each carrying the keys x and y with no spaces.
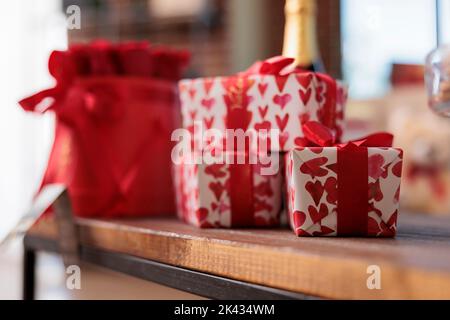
{"x":269,"y":95}
{"x":220,"y":194}
{"x":349,"y":189}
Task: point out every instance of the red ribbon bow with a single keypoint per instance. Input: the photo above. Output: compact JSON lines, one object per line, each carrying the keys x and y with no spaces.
{"x":352,"y":174}
{"x":99,"y":102}
{"x":63,"y":71}
{"x":318,"y":135}
{"x":283,"y":67}
{"x":274,"y":66}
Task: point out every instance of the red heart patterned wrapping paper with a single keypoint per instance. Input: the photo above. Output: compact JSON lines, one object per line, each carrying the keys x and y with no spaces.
{"x":312,"y":191}
{"x":266,"y":102}
{"x":208,"y":197}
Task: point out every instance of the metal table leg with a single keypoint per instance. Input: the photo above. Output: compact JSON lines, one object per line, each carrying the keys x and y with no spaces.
{"x":29,"y":273}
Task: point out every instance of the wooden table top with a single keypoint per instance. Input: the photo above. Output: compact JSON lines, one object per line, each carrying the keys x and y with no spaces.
{"x":414,"y":265}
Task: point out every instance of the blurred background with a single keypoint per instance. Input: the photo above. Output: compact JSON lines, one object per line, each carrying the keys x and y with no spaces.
{"x":378,"y":47}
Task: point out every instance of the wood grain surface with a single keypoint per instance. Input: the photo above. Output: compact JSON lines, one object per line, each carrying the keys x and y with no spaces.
{"x":414,"y":265}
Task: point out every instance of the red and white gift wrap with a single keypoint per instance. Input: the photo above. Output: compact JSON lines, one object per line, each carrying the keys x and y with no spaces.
{"x":269,"y":95}
{"x":349,"y":189}
{"x":228,"y":195}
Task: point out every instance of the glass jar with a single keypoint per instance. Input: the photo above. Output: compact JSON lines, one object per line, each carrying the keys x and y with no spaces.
{"x":437,"y":79}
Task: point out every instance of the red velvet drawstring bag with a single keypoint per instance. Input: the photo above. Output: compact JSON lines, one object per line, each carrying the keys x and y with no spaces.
{"x":116,"y":108}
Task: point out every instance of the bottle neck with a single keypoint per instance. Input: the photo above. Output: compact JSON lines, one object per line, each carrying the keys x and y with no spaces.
{"x":300,"y":33}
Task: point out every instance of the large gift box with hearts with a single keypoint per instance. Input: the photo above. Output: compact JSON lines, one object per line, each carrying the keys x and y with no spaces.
{"x":349,"y":189}
{"x":224,"y":194}
{"x":269,"y":95}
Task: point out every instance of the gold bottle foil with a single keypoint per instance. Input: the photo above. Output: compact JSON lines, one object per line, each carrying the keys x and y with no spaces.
{"x":300,"y":32}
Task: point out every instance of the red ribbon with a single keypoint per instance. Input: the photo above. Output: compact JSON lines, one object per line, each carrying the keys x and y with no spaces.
{"x":239,"y":117}
{"x":240,"y":186}
{"x":352,"y":174}
{"x":241,"y":193}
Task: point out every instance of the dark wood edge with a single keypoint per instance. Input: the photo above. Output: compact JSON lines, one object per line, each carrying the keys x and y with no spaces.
{"x":40,"y":244}
{"x":203,"y":284}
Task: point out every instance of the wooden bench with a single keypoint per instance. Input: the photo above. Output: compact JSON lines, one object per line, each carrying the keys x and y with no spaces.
{"x":260,"y":264}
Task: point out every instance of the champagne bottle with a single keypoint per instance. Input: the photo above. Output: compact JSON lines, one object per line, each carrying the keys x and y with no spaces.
{"x":300,"y":40}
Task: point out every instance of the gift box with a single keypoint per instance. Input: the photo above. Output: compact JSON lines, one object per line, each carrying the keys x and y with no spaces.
{"x":115,"y":113}
{"x":229,"y":193}
{"x":269,"y":95}
{"x":349,"y":189}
